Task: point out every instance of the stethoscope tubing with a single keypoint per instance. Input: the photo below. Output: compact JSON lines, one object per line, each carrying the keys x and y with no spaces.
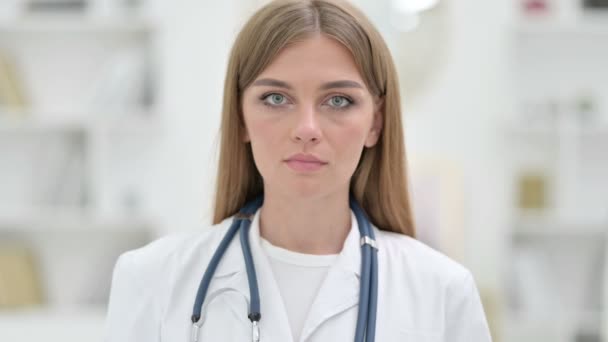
{"x":368,"y":294}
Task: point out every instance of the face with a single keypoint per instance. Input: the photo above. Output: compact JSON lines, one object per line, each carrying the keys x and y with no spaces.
{"x":311,"y":100}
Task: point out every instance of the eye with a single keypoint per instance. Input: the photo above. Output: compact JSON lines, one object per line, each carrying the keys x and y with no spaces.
{"x":273,"y":99}
{"x":340,"y":102}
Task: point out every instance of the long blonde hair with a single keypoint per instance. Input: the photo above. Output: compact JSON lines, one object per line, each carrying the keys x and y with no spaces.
{"x":379,"y":183}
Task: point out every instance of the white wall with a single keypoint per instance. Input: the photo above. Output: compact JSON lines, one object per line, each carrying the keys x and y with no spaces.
{"x":458,"y":120}
{"x":194,"y":44}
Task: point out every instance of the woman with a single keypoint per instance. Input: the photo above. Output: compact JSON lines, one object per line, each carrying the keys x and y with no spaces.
{"x":311,"y":126}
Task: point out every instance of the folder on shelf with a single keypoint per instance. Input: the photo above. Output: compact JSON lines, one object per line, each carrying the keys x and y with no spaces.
{"x":532,"y":191}
{"x":19,"y":280}
{"x":12,"y":95}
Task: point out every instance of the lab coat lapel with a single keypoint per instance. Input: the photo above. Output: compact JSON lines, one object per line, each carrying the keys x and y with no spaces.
{"x":274,"y":324}
{"x":340,"y":289}
{"x":232,"y":274}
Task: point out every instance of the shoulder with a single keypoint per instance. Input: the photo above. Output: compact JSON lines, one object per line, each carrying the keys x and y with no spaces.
{"x":445,"y":291}
{"x":142,"y":277}
{"x":156,"y":257}
{"x":420,"y":261}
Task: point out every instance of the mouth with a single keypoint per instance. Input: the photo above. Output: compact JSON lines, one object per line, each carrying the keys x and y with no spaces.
{"x":304,"y":166}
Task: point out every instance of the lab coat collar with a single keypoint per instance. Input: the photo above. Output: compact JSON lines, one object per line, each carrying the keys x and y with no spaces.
{"x":349,"y":259}
{"x":338,"y":293}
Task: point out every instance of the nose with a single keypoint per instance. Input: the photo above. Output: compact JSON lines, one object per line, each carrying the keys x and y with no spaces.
{"x":306,"y":127}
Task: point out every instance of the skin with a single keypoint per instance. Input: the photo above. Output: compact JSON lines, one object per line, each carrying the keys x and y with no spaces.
{"x":308,"y":212}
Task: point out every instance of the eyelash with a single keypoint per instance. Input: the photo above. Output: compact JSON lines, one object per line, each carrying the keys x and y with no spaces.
{"x":350,"y":101}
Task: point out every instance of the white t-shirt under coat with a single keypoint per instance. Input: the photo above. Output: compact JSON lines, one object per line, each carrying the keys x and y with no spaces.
{"x":299,"y":277}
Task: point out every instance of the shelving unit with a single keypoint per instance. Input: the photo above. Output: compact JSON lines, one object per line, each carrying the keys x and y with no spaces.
{"x":556,"y":274}
{"x":71,"y":188}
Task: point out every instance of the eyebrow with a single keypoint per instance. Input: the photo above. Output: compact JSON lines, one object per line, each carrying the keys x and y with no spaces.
{"x":329,"y":85}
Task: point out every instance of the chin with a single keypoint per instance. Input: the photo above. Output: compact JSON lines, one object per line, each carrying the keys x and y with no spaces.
{"x":301,"y":188}
{"x":305,"y":190}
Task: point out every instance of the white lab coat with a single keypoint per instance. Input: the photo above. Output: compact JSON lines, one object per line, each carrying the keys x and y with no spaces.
{"x":423,"y":295}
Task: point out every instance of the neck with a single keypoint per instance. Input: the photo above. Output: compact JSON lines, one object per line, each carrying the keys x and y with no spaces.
{"x":311,"y":226}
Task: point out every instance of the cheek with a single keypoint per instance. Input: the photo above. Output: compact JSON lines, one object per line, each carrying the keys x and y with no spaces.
{"x":255,"y":126}
{"x":259,"y":119}
{"x":263,"y":135}
{"x":349,"y":145}
{"x":257,"y":129}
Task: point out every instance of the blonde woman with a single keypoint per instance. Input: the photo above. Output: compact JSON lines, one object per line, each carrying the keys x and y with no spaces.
{"x":313,"y":236}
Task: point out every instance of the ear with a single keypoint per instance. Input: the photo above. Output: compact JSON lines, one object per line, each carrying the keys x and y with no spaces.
{"x":377,"y":124}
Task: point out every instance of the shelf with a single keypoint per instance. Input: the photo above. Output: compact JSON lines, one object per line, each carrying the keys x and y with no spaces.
{"x":588,"y":26}
{"x":593,"y":130}
{"x":139,"y":121}
{"x":84,"y":324}
{"x":70,"y":220}
{"x":544,"y":225}
{"x":23,"y":123}
{"x":553,"y":316}
{"x":551,"y":326}
{"x":37,"y":122}
{"x":75,"y":24}
{"x":49,"y":312}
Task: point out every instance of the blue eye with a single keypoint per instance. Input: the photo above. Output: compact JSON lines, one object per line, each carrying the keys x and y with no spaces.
{"x":273,"y":99}
{"x":339,"y":101}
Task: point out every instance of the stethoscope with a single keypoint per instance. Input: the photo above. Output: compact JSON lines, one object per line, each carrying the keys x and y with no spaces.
{"x":368,"y":294}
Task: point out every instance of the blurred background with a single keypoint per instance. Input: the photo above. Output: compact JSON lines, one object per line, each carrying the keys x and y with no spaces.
{"x":109,"y":117}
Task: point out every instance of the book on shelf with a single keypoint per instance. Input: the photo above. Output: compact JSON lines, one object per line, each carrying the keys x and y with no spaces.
{"x":61,"y":181}
{"x":532,"y":190}
{"x":19,"y":278}
{"x":124,"y":83}
{"x":12,"y":95}
{"x":601,"y":5}
{"x":54,"y":7}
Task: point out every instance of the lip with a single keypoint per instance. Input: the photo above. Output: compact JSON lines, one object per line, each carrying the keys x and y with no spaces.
{"x":302,"y":157}
{"x":304,"y":162}
{"x":304,"y":166}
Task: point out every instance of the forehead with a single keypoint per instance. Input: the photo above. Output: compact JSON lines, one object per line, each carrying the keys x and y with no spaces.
{"x":315,"y":59}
